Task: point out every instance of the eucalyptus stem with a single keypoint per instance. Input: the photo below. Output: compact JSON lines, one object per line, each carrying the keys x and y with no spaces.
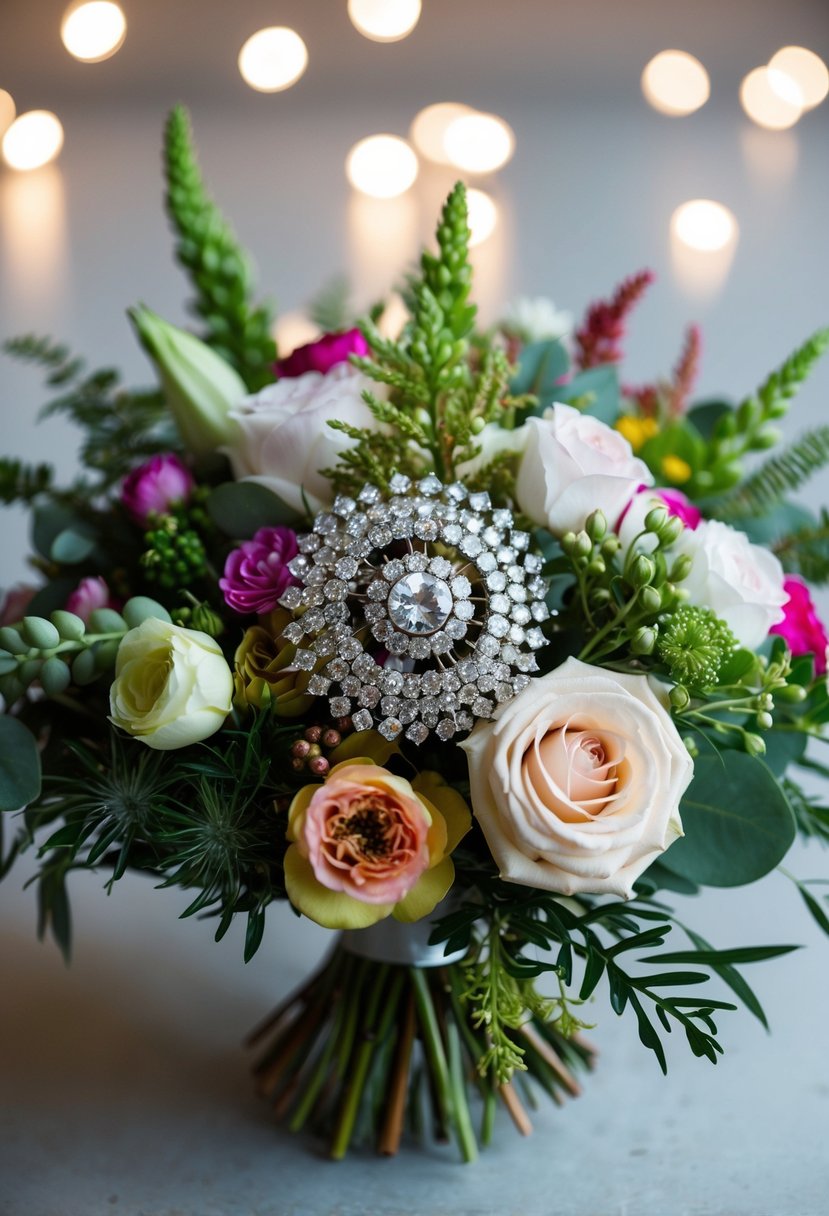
{"x":433,"y":1043}
{"x":349,"y":1109}
{"x":462,"y":1122}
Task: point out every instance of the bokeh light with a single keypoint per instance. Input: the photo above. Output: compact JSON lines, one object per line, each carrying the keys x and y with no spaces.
{"x":32,"y":140}
{"x":806,"y":69}
{"x":675,"y":83}
{"x":273,"y":59}
{"x":293,"y":329}
{"x":704,"y":225}
{"x":93,"y":30}
{"x":428,"y":131}
{"x":771,"y":98}
{"x":8,"y":110}
{"x":384,"y":20}
{"x":479,"y":143}
{"x":482,"y":215}
{"x":382,"y":166}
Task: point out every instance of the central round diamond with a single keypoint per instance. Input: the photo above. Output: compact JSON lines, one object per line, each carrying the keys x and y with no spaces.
{"x":419,"y":603}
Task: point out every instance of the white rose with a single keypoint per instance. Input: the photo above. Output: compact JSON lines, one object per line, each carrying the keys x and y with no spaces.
{"x":536,"y":318}
{"x":572,"y":465}
{"x":493,"y":440}
{"x":284,"y":438}
{"x":740,"y":582}
{"x":577,"y":781}
{"x":172,"y":685}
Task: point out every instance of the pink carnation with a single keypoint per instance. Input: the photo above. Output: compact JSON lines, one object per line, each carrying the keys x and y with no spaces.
{"x":256,"y":574}
{"x":323,"y":354}
{"x":154,"y":487}
{"x":90,"y":593}
{"x":802,"y":628}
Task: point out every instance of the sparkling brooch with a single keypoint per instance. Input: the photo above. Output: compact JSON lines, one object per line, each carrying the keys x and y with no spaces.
{"x":427,"y":603}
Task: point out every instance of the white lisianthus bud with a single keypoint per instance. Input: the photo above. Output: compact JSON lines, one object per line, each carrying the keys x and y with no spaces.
{"x":172,"y":685}
{"x":199,"y":386}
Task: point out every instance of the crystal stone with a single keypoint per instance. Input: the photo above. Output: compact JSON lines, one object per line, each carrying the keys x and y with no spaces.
{"x":419,"y":603}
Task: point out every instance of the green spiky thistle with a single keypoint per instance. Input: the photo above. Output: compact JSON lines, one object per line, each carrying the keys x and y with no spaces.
{"x":694,"y":646}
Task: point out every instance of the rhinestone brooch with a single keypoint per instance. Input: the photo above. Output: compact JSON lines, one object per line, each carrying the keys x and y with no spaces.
{"x":426,"y":602}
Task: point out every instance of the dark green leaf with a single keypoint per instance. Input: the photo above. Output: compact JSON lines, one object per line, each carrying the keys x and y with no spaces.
{"x":593,"y":972}
{"x":239,"y":508}
{"x":816,"y":909}
{"x":19,"y":765}
{"x":712,"y":958}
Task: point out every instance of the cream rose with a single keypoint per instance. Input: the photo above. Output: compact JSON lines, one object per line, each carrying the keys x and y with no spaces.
{"x":742,"y":583}
{"x":172,"y":685}
{"x":577,"y":782}
{"x":284,"y":440}
{"x":572,"y":465}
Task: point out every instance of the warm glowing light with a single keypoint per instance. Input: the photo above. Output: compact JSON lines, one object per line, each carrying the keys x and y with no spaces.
{"x":482,"y":215}
{"x":33,"y":242}
{"x":93,"y":31}
{"x":806,"y":69}
{"x":479,"y":143}
{"x":384,"y":20}
{"x":273,"y":59}
{"x":675,"y":83}
{"x":293,"y":329}
{"x":7,"y":111}
{"x":771,"y":98}
{"x":32,"y":140}
{"x":381,"y":166}
{"x":394,"y":316}
{"x":428,"y":131}
{"x":704,"y":225}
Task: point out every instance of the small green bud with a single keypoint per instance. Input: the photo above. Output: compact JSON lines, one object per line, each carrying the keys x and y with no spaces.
{"x":769,"y":437}
{"x":29,"y":670}
{"x":681,"y":568}
{"x":207,"y":621}
{"x":11,"y":640}
{"x":476,"y":425}
{"x":54,"y":676}
{"x":140,"y":607}
{"x":106,"y":620}
{"x":597,"y":566}
{"x":691,"y":746}
{"x":583,"y":546}
{"x":679,"y":697}
{"x":596,"y":526}
{"x":643,"y":641}
{"x":568,"y":542}
{"x":671,"y":531}
{"x":642,"y":571}
{"x":656,"y":519}
{"x":650,"y":599}
{"x":765,"y":721}
{"x":791,"y":693}
{"x":755,"y":745}
{"x":40,"y":633}
{"x":610,"y":545}
{"x":600,"y":596}
{"x":70,"y":627}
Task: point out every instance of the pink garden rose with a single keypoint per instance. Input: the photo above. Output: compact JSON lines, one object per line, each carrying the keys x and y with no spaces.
{"x":155,"y":486}
{"x":801,"y":626}
{"x":90,"y":593}
{"x":322,"y":354}
{"x":256,"y":574}
{"x":680,"y":506}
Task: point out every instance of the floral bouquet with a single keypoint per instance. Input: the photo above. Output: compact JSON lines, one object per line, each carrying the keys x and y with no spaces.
{"x":468,"y":651}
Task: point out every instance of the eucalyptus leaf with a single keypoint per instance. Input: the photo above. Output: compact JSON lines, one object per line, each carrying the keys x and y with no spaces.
{"x":19,"y":765}
{"x":596,"y":391}
{"x":239,"y":508}
{"x":72,"y":545}
{"x":738,"y":823}
{"x":540,"y":366}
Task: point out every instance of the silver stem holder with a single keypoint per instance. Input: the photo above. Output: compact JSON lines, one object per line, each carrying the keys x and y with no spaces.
{"x":406,"y":945}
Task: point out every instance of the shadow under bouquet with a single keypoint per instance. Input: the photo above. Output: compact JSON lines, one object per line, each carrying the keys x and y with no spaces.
{"x":468,"y":651}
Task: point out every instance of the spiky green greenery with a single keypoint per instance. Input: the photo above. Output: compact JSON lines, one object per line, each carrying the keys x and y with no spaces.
{"x":781,"y":473}
{"x":437,"y":400}
{"x":20,"y":482}
{"x":219,"y":269}
{"x":694,"y":645}
{"x":329,"y":309}
{"x":805,"y":551}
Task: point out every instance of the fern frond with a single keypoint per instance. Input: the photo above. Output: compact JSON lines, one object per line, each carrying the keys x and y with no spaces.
{"x":21,"y":482}
{"x":219,"y":268}
{"x":777,"y":476}
{"x":806,"y":551}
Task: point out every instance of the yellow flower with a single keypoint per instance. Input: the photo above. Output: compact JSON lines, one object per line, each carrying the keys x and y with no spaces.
{"x":676,"y":469}
{"x":637,"y":431}
{"x":263,"y":675}
{"x":368,"y":844}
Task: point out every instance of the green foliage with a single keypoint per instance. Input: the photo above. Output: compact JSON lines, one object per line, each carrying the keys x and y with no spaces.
{"x":21,"y":482}
{"x":694,"y":646}
{"x":218,"y":267}
{"x":19,"y":765}
{"x":811,"y":817}
{"x":329,"y":309}
{"x":240,"y":508}
{"x":738,"y":824}
{"x":805,"y":550}
{"x":781,"y":473}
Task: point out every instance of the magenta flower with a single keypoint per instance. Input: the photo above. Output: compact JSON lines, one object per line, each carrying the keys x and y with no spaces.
{"x":256,"y":574}
{"x":681,"y":507}
{"x":15,"y":602}
{"x":801,"y":627}
{"x":90,"y":593}
{"x":154,"y":487}
{"x":323,"y":354}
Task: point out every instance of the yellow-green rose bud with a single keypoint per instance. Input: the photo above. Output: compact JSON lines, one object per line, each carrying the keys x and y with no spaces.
{"x":172,"y":685}
{"x":263,"y":672}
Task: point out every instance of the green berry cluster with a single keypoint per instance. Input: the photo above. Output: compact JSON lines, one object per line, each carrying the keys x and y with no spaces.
{"x":175,"y":554}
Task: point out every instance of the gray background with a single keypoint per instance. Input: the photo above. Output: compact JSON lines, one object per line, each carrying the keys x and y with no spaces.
{"x":121,"y":1084}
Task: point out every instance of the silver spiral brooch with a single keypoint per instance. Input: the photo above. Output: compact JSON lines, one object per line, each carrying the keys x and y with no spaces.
{"x":426,"y":602}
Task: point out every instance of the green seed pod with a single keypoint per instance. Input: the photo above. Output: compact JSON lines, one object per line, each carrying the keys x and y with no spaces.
{"x":140,"y":608}
{"x":40,"y":633}
{"x":765,"y":721}
{"x":106,"y":620}
{"x":104,"y":654}
{"x":755,"y":745}
{"x":29,"y":670}
{"x":11,"y":640}
{"x":7,"y":664}
{"x":70,"y":627}
{"x":11,"y":689}
{"x":83,"y":668}
{"x":55,"y":676}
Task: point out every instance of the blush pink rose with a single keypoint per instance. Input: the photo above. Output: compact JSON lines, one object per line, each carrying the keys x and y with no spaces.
{"x":322,"y":354}
{"x":802,"y":628}
{"x":366,"y":834}
{"x":90,"y":593}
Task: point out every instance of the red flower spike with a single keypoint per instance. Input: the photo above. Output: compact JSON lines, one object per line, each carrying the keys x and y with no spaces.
{"x":599,"y":339}
{"x":686,"y":371}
